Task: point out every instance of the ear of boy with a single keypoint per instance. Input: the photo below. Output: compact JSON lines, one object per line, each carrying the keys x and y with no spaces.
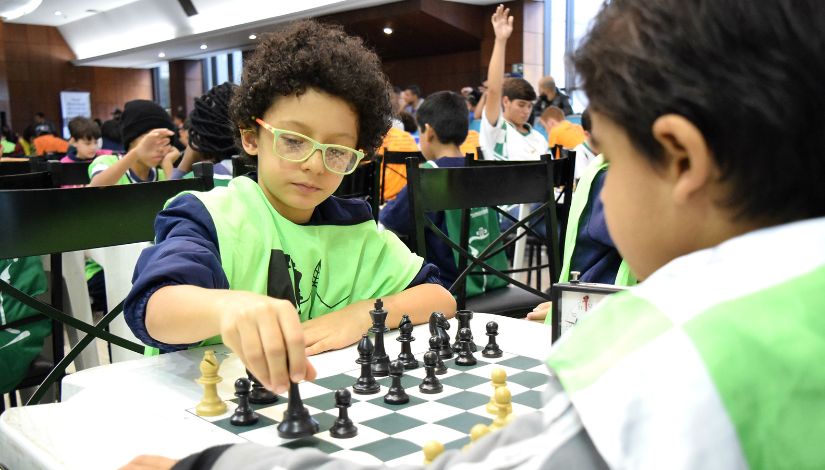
{"x":689,"y":165}
{"x":249,"y":140}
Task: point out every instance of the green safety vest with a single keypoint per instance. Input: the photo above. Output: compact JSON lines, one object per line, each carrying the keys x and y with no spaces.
{"x":577,"y":207}
{"x":19,"y":346}
{"x":714,"y":361}
{"x":484,"y":228}
{"x":321,"y":267}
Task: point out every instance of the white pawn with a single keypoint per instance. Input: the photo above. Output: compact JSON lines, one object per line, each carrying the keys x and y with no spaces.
{"x":499,"y":377}
{"x":503,"y":402}
{"x":432,"y":450}
{"x":476,"y":432}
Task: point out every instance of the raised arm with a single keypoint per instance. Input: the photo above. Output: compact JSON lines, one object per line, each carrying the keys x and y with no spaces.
{"x":503,"y":28}
{"x":147,"y":145}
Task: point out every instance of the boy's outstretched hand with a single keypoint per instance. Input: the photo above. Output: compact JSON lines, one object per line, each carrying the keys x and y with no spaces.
{"x":502,"y":23}
{"x":540,"y":312}
{"x":334,"y":330}
{"x":267,"y":336}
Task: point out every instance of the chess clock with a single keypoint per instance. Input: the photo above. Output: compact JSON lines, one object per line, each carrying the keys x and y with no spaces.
{"x":571,"y":300}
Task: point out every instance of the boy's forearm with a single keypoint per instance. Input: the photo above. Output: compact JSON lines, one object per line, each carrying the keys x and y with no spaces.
{"x":111,"y":175}
{"x":183,"y":314}
{"x":495,"y":80}
{"x":419,"y":302}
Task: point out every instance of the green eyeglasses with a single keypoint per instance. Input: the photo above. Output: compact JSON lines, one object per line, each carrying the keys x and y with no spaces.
{"x":296,"y":147}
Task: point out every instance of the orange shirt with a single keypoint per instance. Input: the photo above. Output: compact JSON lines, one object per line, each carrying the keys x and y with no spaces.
{"x":396,"y":140}
{"x":566,"y":134}
{"x":470,"y":144}
{"x":48,"y":143}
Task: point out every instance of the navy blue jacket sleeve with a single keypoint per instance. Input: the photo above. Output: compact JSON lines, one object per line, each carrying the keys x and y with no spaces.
{"x":186,"y":252}
{"x":395,"y":215}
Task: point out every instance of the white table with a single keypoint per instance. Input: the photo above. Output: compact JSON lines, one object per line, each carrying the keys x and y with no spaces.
{"x":113,"y":413}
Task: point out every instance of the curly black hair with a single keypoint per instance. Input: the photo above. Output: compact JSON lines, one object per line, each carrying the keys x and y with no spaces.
{"x":307,"y":54}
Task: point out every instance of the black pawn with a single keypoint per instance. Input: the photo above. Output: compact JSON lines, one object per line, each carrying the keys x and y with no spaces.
{"x":405,"y":338}
{"x":435,"y":345}
{"x":243,"y":416}
{"x":297,"y":421}
{"x":430,"y":384}
{"x":366,"y":384}
{"x":492,"y":349}
{"x":396,"y":394}
{"x":464,"y":317}
{"x":465,"y":356}
{"x":380,"y":359}
{"x":259,"y":394}
{"x":343,"y":428}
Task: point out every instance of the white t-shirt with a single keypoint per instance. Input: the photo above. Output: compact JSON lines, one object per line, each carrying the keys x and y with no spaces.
{"x":504,"y":142}
{"x":584,"y":155}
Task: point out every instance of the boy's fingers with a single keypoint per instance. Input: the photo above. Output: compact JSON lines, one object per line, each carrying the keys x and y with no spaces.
{"x":293,"y":337}
{"x":317,"y":348}
{"x":311,"y":372}
{"x":273,"y":346}
{"x":253,"y":350}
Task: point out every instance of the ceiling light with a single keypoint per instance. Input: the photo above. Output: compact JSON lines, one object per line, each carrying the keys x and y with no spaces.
{"x":161,"y":54}
{"x":58,"y":13}
{"x":203,"y":47}
{"x":15,"y":13}
{"x":387,"y":30}
{"x":253,"y":36}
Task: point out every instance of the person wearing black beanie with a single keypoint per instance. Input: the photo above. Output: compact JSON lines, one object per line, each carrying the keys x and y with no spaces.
{"x":211,"y":133}
{"x":146,"y":131}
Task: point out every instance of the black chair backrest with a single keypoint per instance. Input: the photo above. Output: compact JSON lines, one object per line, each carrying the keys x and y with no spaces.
{"x":242,"y":166}
{"x":563,"y":175}
{"x":31,"y":165}
{"x":65,"y":174}
{"x":362,"y":184}
{"x":38,"y":179}
{"x":465,"y":188}
{"x":395,"y":158}
{"x":83,"y":218}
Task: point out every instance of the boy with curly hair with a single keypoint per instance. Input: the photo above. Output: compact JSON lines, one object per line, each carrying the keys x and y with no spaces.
{"x":714,"y":361}
{"x":276,"y":266}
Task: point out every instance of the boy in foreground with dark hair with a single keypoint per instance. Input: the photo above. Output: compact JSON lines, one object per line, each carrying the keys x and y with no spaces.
{"x":443,"y":121}
{"x":713,"y":361}
{"x":506,"y":133}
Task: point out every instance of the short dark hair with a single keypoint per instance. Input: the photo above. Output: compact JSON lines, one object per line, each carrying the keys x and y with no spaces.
{"x":752,"y":86}
{"x":518,"y":89}
{"x":307,"y":54}
{"x":587,"y":124}
{"x":408,"y":121}
{"x":83,"y":128}
{"x":446,"y":113}
{"x":415,"y":89}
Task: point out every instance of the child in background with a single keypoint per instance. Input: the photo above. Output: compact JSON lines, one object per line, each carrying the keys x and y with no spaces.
{"x":505,"y":131}
{"x":560,"y":131}
{"x":586,"y":152}
{"x":146,"y":131}
{"x":84,"y":140}
{"x":713,"y":362}
{"x":46,"y":142}
{"x":210,"y":135}
{"x":443,"y":125}
{"x":277,"y":267}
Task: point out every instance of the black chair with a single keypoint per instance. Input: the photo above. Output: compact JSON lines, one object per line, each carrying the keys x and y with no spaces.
{"x":31,"y":165}
{"x":242,"y":166}
{"x":38,"y":179}
{"x":465,"y":188}
{"x":395,"y":158}
{"x":563,"y":178}
{"x":362,"y":184}
{"x":69,"y":174}
{"x":40,"y":213}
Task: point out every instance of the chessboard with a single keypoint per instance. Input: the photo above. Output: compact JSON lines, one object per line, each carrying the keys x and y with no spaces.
{"x":395,"y":434}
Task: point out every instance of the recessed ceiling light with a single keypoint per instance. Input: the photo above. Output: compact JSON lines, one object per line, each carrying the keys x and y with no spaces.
{"x":58,"y":13}
{"x":203,"y":47}
{"x":161,"y":54}
{"x":387,"y":30}
{"x":253,"y":36}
